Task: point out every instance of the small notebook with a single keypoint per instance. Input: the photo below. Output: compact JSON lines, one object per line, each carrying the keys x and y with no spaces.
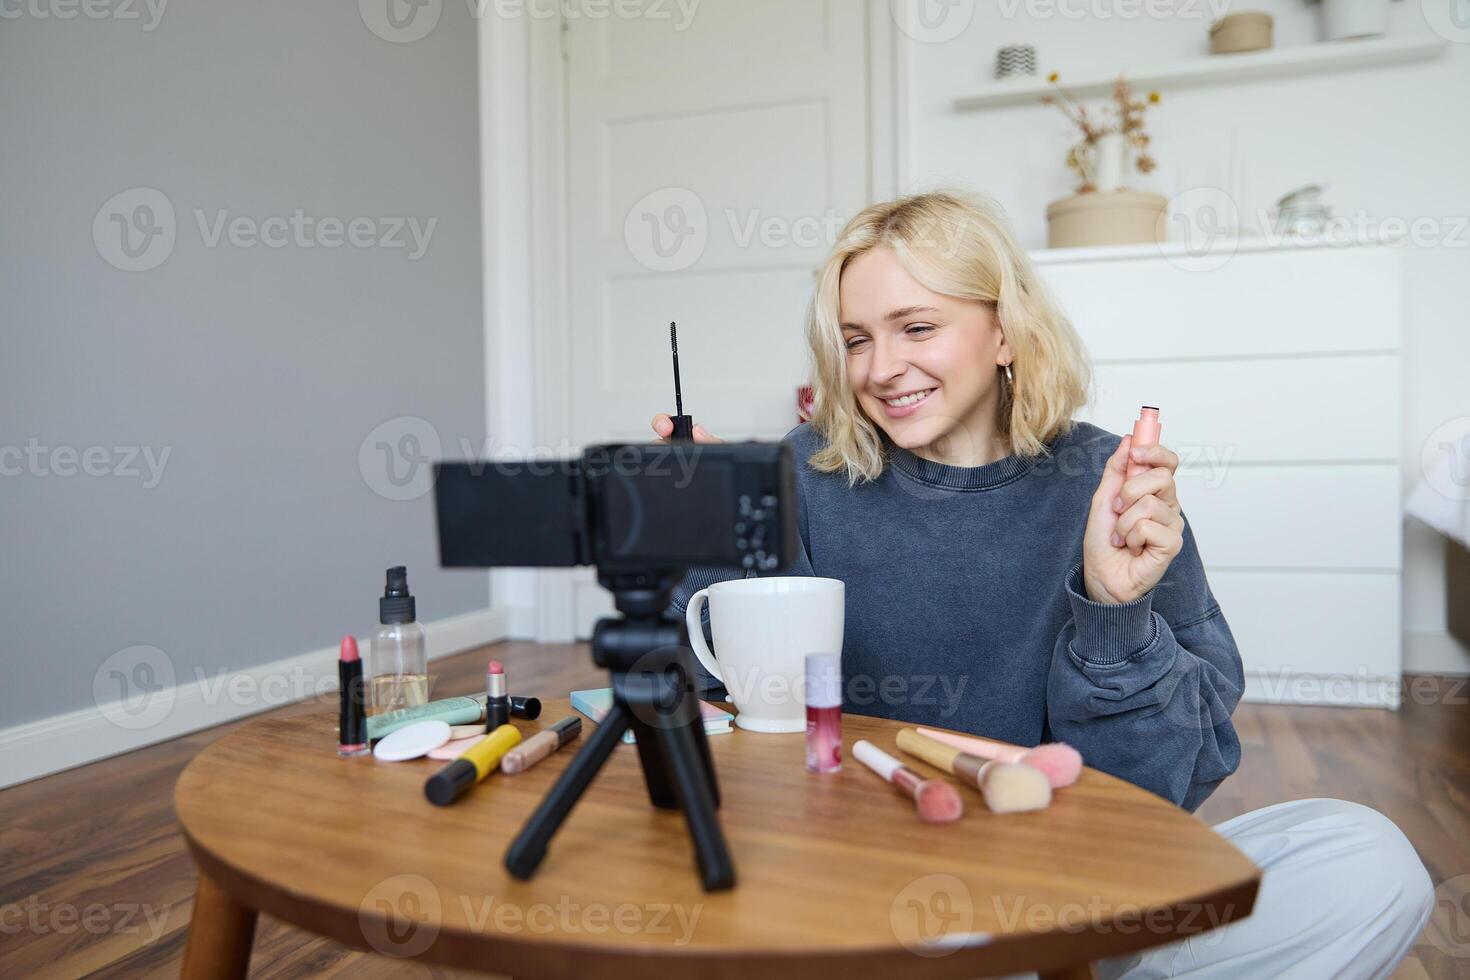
{"x":594,"y":705}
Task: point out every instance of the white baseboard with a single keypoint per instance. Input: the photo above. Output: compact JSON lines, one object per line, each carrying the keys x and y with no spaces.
{"x":1435,"y":652}
{"x":49,"y":745}
{"x":1355,"y":690}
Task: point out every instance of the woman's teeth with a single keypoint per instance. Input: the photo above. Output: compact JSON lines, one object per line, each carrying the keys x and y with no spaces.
{"x":907,"y":400}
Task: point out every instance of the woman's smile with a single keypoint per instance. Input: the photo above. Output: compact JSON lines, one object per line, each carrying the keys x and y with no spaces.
{"x":898,"y":406}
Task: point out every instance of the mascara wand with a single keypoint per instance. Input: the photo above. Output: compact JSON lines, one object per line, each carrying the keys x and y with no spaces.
{"x":683,"y":424}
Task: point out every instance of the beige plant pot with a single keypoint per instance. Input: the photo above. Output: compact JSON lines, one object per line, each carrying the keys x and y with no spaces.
{"x":1121,"y":217}
{"x":1250,"y":30}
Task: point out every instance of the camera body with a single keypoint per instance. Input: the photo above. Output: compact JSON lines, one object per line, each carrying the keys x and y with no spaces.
{"x":623,"y":507}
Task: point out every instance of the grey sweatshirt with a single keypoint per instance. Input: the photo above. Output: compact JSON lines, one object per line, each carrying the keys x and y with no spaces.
{"x":965,"y":609}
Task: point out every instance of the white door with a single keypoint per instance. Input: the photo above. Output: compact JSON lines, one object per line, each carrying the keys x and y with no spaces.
{"x":714,"y":150}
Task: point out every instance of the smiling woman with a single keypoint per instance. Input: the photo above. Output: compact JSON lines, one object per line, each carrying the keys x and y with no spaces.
{"x":909,"y":341}
{"x":994,"y":548}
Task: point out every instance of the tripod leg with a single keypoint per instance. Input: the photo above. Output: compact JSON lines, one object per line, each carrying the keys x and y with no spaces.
{"x":526,"y":851}
{"x":692,"y":775}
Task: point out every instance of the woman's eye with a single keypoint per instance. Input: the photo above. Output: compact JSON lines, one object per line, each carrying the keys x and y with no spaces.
{"x":855,"y":342}
{"x":919,"y":328}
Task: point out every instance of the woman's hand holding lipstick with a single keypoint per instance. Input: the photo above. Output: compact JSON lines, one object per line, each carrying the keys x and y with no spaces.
{"x":1135,"y":526}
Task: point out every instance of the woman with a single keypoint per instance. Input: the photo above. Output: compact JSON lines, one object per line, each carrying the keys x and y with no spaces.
{"x":1004,"y":575}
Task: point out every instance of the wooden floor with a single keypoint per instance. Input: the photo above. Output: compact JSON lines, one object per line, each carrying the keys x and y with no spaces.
{"x":94,"y":872}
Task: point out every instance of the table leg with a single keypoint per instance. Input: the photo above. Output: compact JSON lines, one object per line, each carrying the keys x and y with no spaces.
{"x":1078,"y":971}
{"x":221,"y":932}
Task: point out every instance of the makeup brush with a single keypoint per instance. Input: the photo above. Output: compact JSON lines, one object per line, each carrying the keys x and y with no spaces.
{"x":1008,"y":787}
{"x":936,"y":800}
{"x":1061,"y":763}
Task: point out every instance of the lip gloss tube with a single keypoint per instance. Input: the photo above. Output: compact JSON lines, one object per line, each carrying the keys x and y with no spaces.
{"x":1145,"y":433}
{"x":823,"y":712}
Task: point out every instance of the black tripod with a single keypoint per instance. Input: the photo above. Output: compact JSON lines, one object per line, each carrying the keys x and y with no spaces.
{"x":653,"y":693}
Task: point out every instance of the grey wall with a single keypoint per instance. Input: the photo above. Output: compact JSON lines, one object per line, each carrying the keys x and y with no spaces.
{"x":259,"y":370}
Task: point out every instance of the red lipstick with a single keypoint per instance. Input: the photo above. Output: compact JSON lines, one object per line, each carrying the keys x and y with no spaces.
{"x":352,"y":707}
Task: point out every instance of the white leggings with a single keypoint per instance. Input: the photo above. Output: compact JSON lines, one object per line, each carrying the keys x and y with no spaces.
{"x":1343,"y":895}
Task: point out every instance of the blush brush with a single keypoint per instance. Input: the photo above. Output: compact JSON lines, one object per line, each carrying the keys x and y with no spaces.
{"x":936,"y":800}
{"x":1061,"y":763}
{"x":1008,"y":787}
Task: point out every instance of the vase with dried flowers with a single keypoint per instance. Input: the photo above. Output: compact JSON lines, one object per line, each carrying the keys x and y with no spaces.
{"x":1101,"y":156}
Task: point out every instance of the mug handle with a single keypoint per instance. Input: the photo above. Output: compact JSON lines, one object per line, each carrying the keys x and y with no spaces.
{"x":693,"y":619}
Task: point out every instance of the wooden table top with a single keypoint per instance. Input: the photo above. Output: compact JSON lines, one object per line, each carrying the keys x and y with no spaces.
{"x":832,"y":871}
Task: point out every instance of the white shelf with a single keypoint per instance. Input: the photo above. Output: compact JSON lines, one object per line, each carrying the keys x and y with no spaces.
{"x":1310,"y":59}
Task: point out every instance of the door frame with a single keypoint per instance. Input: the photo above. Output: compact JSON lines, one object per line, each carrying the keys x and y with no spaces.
{"x":523,"y":165}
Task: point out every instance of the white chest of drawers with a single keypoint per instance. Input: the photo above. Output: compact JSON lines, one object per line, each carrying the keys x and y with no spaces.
{"x":1278,"y":376}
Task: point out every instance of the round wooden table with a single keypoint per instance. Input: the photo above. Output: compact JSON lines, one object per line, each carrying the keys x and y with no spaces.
{"x":834,"y":873}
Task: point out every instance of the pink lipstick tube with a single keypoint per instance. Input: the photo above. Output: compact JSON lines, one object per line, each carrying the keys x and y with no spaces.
{"x":1145,"y":433}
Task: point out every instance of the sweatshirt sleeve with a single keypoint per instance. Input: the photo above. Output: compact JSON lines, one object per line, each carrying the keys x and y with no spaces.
{"x":1145,"y":690}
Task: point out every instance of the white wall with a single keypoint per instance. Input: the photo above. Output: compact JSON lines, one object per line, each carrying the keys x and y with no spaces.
{"x":1389,"y":143}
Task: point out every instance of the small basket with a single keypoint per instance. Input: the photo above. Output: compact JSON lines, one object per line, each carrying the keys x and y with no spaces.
{"x":1248,"y":31}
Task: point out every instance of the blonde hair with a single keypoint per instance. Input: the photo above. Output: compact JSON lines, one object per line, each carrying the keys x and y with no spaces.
{"x":959,"y":247}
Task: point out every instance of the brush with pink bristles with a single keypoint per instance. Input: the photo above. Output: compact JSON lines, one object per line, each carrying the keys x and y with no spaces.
{"x":1061,"y":763}
{"x":936,"y":800}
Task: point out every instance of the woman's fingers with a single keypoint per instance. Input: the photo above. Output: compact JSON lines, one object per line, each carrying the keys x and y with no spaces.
{"x":1150,"y":508}
{"x":1150,"y":532}
{"x":1158,"y":482}
{"x":1155,"y":455}
{"x":663,"y":427}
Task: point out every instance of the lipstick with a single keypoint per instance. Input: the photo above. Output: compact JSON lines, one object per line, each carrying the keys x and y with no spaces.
{"x":1145,"y":433}
{"x":497,"y":704}
{"x":541,"y":745}
{"x":352,"y":736}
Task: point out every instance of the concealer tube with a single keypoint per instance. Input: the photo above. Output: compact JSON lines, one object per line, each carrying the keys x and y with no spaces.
{"x":541,"y":745}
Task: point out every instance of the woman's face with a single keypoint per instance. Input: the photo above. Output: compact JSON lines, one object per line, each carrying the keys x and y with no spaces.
{"x":924,"y":366}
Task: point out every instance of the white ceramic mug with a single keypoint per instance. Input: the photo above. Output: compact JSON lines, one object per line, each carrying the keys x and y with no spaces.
{"x":763,"y":629}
